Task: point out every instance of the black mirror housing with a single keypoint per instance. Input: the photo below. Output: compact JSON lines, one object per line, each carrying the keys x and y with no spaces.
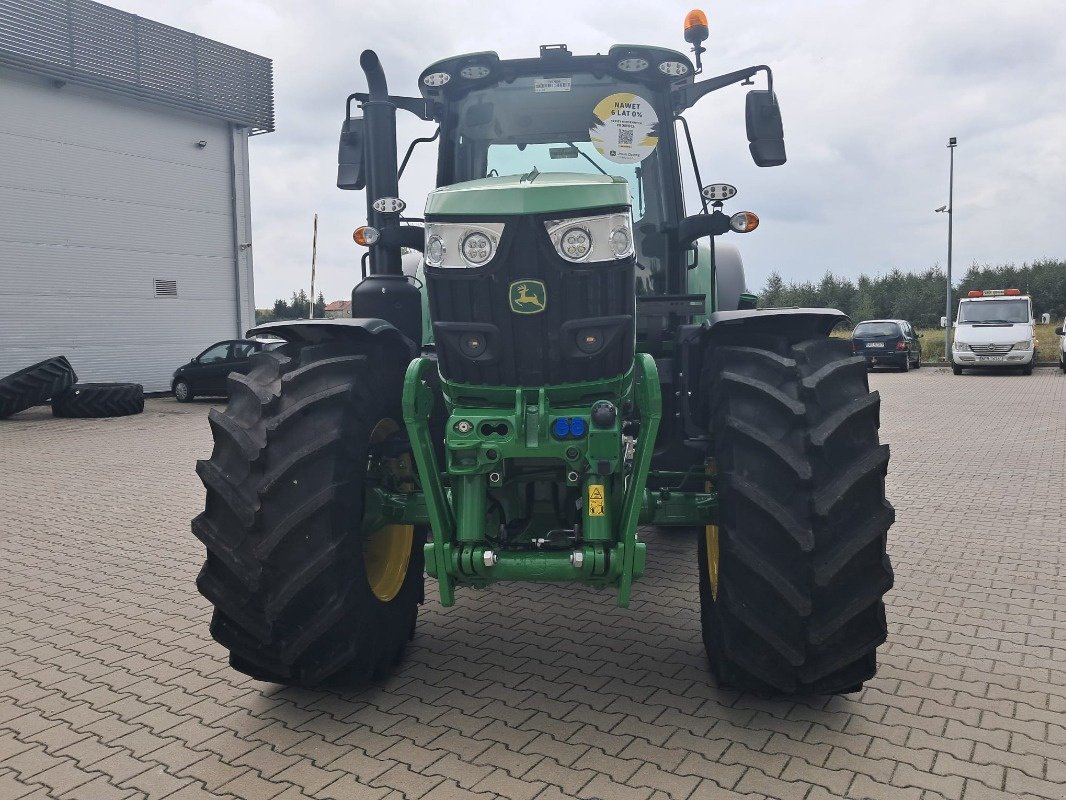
{"x":351,"y":172}
{"x":766,"y":134}
{"x":1059,"y":332}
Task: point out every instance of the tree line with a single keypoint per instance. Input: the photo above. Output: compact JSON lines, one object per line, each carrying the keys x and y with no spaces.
{"x":919,"y":296}
{"x":294,"y":308}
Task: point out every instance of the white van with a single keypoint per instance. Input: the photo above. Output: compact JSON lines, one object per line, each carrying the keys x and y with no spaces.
{"x":994,"y":328}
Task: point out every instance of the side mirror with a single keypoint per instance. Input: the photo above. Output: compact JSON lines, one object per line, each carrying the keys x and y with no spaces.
{"x":351,"y":173}
{"x":943,"y":322}
{"x":766,"y":134}
{"x":1058,"y":332}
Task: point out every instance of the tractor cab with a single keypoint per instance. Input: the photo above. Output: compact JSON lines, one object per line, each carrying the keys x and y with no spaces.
{"x":616,"y":116}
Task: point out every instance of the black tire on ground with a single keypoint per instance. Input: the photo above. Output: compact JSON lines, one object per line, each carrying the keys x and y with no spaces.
{"x":918,"y":360}
{"x":956,"y":369}
{"x":84,"y":400}
{"x":906,"y":364}
{"x":802,"y":564}
{"x":286,"y":568}
{"x":182,"y":391}
{"x":1027,"y":370}
{"x":34,"y":385}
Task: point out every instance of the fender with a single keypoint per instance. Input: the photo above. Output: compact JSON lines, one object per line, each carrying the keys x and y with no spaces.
{"x":316,"y":331}
{"x":737,"y":327}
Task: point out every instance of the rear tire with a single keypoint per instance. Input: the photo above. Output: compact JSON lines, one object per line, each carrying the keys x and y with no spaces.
{"x":94,"y":400}
{"x":906,"y":364}
{"x":792,"y":602}
{"x":34,"y":385}
{"x":302,"y":593}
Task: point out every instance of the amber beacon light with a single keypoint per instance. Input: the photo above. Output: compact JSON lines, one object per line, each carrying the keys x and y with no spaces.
{"x":696,"y":33}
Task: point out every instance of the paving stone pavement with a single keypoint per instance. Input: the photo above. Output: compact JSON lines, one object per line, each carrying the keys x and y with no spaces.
{"x":110,"y":686}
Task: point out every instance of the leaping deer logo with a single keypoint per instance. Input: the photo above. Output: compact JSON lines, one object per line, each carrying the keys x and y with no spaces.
{"x":528,"y":297}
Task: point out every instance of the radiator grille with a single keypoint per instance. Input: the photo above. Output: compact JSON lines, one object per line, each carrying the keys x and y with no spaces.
{"x":991,"y":349}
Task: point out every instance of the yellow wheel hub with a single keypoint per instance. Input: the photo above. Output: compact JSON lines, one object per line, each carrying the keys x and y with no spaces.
{"x":711,"y":533}
{"x":387,"y":550}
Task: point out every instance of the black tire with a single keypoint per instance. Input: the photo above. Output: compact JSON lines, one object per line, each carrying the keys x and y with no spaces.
{"x":1027,"y":370}
{"x":956,"y":369}
{"x":918,"y":360}
{"x":285,"y":566}
{"x":34,"y":385}
{"x":183,"y":393}
{"x":803,"y":520}
{"x":88,"y":400}
{"x":906,"y":363}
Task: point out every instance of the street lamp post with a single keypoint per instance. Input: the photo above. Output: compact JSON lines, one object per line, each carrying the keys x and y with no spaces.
{"x":949,"y":209}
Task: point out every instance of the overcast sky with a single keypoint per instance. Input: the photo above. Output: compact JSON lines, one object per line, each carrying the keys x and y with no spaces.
{"x":870,"y":93}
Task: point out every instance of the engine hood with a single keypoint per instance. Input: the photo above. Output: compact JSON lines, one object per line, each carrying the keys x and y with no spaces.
{"x":993,"y":334}
{"x":532,"y":193}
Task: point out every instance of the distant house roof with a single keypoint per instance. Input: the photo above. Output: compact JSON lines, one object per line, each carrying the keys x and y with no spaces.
{"x":92,"y":44}
{"x":339,"y":305}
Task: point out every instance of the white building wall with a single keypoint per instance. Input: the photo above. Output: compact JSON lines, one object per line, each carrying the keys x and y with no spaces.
{"x":99,"y":197}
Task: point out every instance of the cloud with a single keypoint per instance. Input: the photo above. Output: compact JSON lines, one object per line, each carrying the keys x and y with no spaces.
{"x":870,"y":93}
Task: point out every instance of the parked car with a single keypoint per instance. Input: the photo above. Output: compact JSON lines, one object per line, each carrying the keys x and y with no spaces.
{"x":205,"y":375}
{"x":1061,"y":333}
{"x":887,"y":343}
{"x":994,"y":329}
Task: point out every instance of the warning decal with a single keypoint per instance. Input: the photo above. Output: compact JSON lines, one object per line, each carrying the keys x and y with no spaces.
{"x":595,"y":500}
{"x":625,"y":128}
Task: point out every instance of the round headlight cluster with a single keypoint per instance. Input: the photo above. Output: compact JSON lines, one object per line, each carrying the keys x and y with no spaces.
{"x":621,"y":241}
{"x":575,"y":244}
{"x":434,"y":250}
{"x":477,"y":248}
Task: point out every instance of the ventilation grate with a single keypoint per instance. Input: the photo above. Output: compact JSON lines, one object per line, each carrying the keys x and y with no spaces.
{"x":166,"y":288}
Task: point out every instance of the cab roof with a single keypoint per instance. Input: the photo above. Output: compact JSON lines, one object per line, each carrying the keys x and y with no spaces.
{"x":555,"y":60}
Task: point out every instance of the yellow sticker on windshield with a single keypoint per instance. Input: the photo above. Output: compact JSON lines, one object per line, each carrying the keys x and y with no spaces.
{"x":625,"y":128}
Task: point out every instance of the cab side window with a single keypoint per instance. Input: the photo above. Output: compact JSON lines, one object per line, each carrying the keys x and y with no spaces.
{"x":243,"y":350}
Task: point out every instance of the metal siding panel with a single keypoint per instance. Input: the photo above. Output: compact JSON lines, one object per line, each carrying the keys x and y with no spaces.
{"x":91,"y":213}
{"x":243,"y":226}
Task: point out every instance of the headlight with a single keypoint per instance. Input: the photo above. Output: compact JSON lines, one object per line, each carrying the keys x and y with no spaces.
{"x":460,"y":244}
{"x":477,"y":248}
{"x":960,"y":346}
{"x":1024,"y":345}
{"x":606,"y":237}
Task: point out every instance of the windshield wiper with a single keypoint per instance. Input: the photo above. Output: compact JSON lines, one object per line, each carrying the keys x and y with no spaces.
{"x":588,"y":158}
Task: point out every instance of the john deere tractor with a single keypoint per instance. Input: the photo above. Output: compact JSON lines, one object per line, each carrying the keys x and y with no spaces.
{"x":575,"y":357}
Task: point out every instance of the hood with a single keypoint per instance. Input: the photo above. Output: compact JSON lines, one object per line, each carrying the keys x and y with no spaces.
{"x":532,"y":193}
{"x":993,"y":334}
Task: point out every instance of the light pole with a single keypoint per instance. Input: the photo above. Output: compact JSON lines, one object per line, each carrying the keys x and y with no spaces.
{"x":949,"y":208}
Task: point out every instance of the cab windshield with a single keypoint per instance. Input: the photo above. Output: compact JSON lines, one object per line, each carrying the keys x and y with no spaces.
{"x":994,"y":311}
{"x":572,"y":124}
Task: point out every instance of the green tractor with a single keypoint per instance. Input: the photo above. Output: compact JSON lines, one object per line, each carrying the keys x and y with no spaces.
{"x":575,"y":358}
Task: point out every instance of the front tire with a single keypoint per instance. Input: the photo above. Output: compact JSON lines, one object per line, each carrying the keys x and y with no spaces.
{"x":303,"y":592}
{"x":793,"y":576}
{"x":182,"y":391}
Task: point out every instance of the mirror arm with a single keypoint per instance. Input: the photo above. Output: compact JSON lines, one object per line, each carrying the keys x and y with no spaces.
{"x":689,"y":95}
{"x":420,"y":107}
{"x":693,"y":228}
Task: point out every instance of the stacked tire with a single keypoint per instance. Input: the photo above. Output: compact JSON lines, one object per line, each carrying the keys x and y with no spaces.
{"x":54,"y":380}
{"x":94,"y":400}
{"x":35,"y":385}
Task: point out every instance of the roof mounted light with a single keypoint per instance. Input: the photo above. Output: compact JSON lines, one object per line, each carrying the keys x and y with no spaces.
{"x":674,"y":69}
{"x":436,"y":79}
{"x":633,"y":64}
{"x":474,"y":72}
{"x":1014,"y":292}
{"x":975,"y":293}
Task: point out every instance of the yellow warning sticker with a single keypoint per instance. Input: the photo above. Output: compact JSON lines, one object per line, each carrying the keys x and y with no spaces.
{"x":596,"y":500}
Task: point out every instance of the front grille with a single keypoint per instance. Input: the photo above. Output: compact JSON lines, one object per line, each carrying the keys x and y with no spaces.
{"x":532,"y":349}
{"x":991,"y":349}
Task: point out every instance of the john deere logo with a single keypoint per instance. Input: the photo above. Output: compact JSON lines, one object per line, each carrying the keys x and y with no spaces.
{"x":528,"y":297}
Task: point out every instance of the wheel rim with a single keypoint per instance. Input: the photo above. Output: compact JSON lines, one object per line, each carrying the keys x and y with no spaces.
{"x":713,"y":558}
{"x":387,"y":550}
{"x":181,"y":390}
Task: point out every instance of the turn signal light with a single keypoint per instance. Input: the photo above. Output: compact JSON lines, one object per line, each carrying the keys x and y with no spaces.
{"x":744,"y":222}
{"x":366,"y":235}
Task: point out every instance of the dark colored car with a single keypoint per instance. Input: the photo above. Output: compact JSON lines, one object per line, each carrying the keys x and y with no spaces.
{"x":206,"y":374}
{"x":887,"y":343}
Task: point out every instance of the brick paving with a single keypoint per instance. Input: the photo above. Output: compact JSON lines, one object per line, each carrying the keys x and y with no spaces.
{"x":110,"y":686}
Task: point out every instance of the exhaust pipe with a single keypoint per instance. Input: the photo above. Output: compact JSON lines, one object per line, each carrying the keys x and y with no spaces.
{"x":380,"y":159}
